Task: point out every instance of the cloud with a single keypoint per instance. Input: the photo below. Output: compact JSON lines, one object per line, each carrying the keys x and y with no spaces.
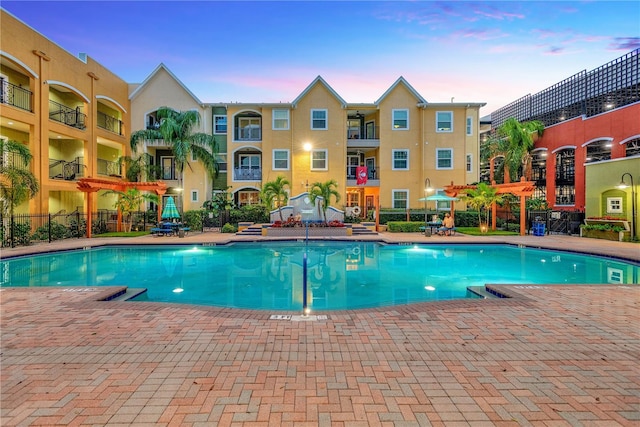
{"x":625,"y":43}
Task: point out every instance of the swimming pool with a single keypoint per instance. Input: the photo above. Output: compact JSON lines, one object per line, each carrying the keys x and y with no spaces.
{"x":341,"y":275}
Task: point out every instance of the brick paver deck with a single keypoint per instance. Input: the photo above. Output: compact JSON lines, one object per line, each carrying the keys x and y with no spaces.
{"x":549,"y":356}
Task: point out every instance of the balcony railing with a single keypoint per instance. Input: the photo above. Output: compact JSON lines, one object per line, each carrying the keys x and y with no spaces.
{"x":110,"y":123}
{"x":12,"y":160}
{"x":68,"y":171}
{"x":246,"y":174}
{"x":248,"y":133}
{"x":67,"y":115}
{"x":16,"y":96}
{"x":366,"y":133}
{"x":105,"y":167}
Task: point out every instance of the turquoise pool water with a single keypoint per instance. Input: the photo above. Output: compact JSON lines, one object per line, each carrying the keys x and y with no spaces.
{"x":341,"y":275}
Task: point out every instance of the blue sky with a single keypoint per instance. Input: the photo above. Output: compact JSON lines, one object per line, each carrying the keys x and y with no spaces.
{"x":267,"y":51}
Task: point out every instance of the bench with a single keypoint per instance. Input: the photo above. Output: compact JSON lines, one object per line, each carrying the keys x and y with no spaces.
{"x":161,"y":231}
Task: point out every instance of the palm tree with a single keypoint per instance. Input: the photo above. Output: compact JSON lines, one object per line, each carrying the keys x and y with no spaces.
{"x":17,"y":183}
{"x":324,"y":190}
{"x":176,"y":129}
{"x":481,"y":199}
{"x":514,"y":141}
{"x":129,"y":201}
{"x":140,"y":169}
{"x":274,"y":192}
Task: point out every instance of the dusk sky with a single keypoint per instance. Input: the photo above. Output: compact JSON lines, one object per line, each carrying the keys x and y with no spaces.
{"x":267,"y":51}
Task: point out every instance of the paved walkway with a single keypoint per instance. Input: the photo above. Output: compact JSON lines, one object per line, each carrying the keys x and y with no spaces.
{"x":561,"y":356}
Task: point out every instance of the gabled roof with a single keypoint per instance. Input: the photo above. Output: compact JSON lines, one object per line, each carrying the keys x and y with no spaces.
{"x":402,"y":81}
{"x":318,"y":80}
{"x":153,"y":74}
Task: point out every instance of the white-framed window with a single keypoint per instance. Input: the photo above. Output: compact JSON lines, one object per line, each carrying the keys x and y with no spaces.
{"x":469,"y":125}
{"x":444,"y":158}
{"x":319,"y":119}
{"x":193,"y":157}
{"x":400,"y":119}
{"x":614,"y":205}
{"x":469,"y":163}
{"x":219,"y":125}
{"x":400,"y":199}
{"x":442,"y":205}
{"x":194,"y":195}
{"x":280,"y":119}
{"x":400,"y":159}
{"x":319,"y":160}
{"x":444,"y":121}
{"x":280,"y":160}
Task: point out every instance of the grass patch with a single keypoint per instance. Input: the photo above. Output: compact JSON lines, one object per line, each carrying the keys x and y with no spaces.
{"x":475,"y":231}
{"x":123,"y":234}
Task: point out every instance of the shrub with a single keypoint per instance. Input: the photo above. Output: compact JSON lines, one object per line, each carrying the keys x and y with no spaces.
{"x":193,"y":219}
{"x":58,"y":232}
{"x":404,"y":227}
{"x":250,"y":213}
{"x":228,"y":228}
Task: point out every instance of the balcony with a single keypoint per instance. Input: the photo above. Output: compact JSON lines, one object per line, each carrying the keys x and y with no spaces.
{"x":13,"y":160}
{"x":16,"y":96}
{"x":65,"y":170}
{"x":110,"y":123}
{"x":247,"y":174}
{"x":67,"y":115}
{"x":363,"y":137}
{"x":248,"y":133}
{"x":107,"y":168}
{"x":372,"y":178}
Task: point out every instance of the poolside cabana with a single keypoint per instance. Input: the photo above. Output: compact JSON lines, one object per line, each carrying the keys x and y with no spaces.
{"x":93,"y":185}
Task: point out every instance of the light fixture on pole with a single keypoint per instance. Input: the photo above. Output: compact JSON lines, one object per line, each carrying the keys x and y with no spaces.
{"x":624,"y":185}
{"x":427,"y":190}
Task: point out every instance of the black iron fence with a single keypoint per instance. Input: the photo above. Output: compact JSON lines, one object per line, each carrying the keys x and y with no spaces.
{"x":28,"y":229}
{"x":15,"y":95}
{"x":556,"y":222}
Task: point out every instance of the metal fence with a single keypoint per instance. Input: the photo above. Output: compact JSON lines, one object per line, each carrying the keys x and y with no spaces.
{"x":28,"y":229}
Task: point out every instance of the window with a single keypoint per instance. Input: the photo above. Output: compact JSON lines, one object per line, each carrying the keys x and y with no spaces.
{"x":168,"y":168}
{"x":400,"y":119}
{"x":469,"y":163}
{"x":400,"y":198}
{"x":400,"y":159}
{"x":444,"y":121}
{"x":194,"y":195}
{"x":219,"y":124}
{"x":319,"y":119}
{"x":469,"y":125}
{"x":249,"y":129}
{"x":280,"y":159}
{"x":442,"y":205}
{"x":444,"y":158}
{"x":319,"y":160}
{"x":280,"y":120}
{"x":614,"y":205}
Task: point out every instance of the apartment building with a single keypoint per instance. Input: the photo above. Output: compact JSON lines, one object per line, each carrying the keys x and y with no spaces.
{"x":396,"y":143}
{"x":70,"y":111}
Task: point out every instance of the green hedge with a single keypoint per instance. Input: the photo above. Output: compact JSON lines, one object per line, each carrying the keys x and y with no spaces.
{"x":404,"y":227}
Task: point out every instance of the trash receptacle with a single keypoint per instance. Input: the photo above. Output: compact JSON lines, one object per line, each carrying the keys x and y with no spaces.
{"x":181,"y":233}
{"x":538,"y":228}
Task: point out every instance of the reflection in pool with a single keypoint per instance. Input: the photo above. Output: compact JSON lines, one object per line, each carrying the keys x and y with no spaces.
{"x":341,"y":275}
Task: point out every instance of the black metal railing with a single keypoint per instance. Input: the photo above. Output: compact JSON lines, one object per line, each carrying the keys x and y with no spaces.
{"x":16,"y":96}
{"x":69,"y":171}
{"x":105,"y":167}
{"x":27,"y":229}
{"x":69,"y":116}
{"x":364,"y":132}
{"x":248,"y":133}
{"x":13,"y":160}
{"x":110,"y":123}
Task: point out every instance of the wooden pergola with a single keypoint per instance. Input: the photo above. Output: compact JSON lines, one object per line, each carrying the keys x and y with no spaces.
{"x":93,"y":185}
{"x":522,"y":189}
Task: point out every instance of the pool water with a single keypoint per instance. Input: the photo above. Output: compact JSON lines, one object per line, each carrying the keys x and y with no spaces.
{"x":341,"y":275}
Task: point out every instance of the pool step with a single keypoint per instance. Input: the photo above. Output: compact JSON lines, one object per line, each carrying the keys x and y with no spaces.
{"x":481,"y":291}
{"x":128,"y":294}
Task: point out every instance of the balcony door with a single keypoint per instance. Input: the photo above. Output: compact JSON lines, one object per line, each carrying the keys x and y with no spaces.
{"x":353,"y":161}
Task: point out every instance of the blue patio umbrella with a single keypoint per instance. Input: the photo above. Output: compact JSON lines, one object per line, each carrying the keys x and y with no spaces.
{"x":170,"y":211}
{"x":438,"y":198}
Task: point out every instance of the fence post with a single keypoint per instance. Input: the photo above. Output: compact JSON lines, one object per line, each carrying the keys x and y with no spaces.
{"x":11,"y":225}
{"x":49,"y":226}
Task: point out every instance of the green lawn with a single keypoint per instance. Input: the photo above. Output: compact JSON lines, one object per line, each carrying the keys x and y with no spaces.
{"x":475,"y":231}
